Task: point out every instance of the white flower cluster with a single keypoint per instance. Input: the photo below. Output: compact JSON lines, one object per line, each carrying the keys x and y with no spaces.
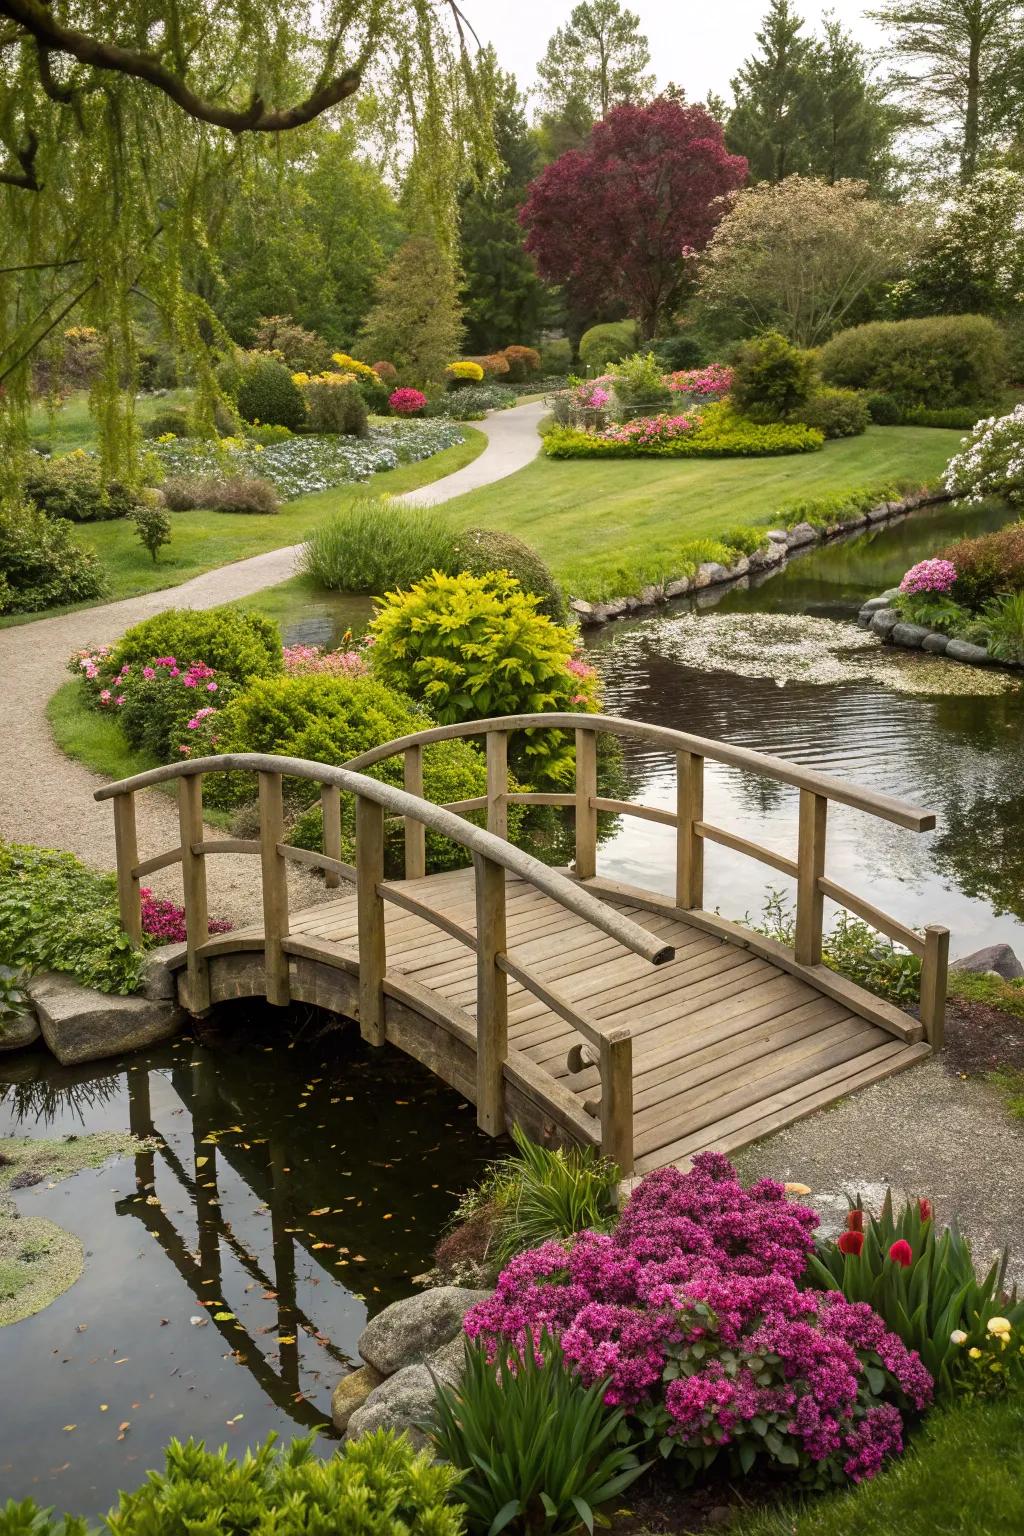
{"x":992,"y":463}
{"x":300,"y":465}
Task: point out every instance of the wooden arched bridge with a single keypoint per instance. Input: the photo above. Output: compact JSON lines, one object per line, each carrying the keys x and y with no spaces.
{"x":580,"y":1008}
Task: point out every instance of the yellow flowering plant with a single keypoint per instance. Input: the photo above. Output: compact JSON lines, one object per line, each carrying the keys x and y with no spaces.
{"x":994,"y":1364}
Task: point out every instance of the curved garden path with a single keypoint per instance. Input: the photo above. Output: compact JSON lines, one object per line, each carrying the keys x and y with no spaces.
{"x":47,"y":799}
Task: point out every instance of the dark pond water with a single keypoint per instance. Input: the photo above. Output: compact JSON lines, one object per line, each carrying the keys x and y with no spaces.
{"x":960,"y":755}
{"x":299,"y":1183}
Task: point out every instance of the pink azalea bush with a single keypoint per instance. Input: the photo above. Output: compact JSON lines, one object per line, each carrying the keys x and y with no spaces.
{"x":164,"y":706}
{"x":164,"y":921}
{"x":710,"y":383}
{"x":407,"y":402}
{"x":648,"y":429}
{"x":692,"y":1314}
{"x":301,"y":659}
{"x":929,"y":576}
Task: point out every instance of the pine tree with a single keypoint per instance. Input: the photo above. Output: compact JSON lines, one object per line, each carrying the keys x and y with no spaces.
{"x":416,"y":323}
{"x":600,"y":58}
{"x":851,"y":124}
{"x":769,"y":122}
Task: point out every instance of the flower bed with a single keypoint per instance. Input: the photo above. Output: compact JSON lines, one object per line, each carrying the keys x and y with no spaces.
{"x":710,"y":383}
{"x":301,"y":465}
{"x":718,"y":434}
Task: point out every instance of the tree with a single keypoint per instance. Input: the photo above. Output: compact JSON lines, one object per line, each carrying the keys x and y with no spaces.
{"x":800,"y":256}
{"x":953,"y":64}
{"x":416,"y":323}
{"x":505,"y":301}
{"x":974,"y":261}
{"x":618,"y":220}
{"x":769,"y":123}
{"x":852,"y":122}
{"x":599,"y":58}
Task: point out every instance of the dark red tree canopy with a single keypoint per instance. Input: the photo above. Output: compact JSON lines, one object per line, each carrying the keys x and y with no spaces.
{"x":615,"y":220}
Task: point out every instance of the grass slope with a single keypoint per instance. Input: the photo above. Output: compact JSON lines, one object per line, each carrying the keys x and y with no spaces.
{"x":608,"y":526}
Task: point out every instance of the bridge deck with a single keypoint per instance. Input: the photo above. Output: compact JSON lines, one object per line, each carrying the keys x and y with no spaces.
{"x":727,"y":1046}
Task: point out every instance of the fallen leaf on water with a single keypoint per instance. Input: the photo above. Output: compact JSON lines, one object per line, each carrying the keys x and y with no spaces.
{"x":236,"y":1419}
{"x":69,"y":1427}
{"x":124,"y":1424}
{"x":286,"y":1338}
{"x":104,"y":1407}
{"x":323,"y":1210}
{"x":223,"y":1317}
{"x":199,"y":1322}
{"x":201,"y":1161}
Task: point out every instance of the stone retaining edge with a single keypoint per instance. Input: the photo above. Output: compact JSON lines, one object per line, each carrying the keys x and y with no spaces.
{"x":883,"y":620}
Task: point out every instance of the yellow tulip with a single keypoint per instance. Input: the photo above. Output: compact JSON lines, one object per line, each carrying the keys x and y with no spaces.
{"x":958,"y":1336}
{"x":999,"y":1325}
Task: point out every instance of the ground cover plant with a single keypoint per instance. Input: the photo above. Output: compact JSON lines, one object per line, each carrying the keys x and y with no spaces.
{"x":972,"y":590}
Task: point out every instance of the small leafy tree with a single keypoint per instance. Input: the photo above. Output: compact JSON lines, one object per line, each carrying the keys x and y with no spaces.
{"x":771,"y":377}
{"x":153,"y":526}
{"x":417,"y":320}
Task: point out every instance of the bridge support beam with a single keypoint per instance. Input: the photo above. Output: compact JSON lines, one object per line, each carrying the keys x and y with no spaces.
{"x":491,"y":996}
{"x":370,"y":918}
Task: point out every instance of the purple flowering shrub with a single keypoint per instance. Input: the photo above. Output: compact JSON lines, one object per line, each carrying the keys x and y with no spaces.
{"x":929,"y":576}
{"x":164,"y":922}
{"x":691,"y":1313}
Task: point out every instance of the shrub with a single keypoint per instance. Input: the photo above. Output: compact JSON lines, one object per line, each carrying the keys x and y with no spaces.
{"x":55,"y":914}
{"x":772,"y":378}
{"x":987,"y":565}
{"x":266,"y":392}
{"x":41,"y":566}
{"x":852,"y":948}
{"x":372,"y":385}
{"x":470,"y":647}
{"x":158,"y":703}
{"x":720,"y":434}
{"x":386,"y":372}
{"x":677,"y":352}
{"x":71,"y":486}
{"x":884,"y":410}
{"x":301,"y":350}
{"x":232,"y":493}
{"x":604,"y":344}
{"x":265,"y":434}
{"x":153,"y":526}
{"x":835,"y":412}
{"x":374,"y":543}
{"x":462,"y":373}
{"x":992,"y":460}
{"x":690,"y":1314}
{"x":407,"y":402}
{"x":165,"y":921}
{"x":235,"y":643}
{"x":173,"y":418}
{"x":921,"y":1281}
{"x":536,"y":1450}
{"x":957,"y":417}
{"x":334,"y":403}
{"x":479,"y":550}
{"x":638,"y":384}
{"x":701,"y":384}
{"x":523,"y":363}
{"x":494,"y":364}
{"x":943,"y":361}
{"x":1003,"y":620}
{"x":556,"y":356}
{"x":471,"y":403}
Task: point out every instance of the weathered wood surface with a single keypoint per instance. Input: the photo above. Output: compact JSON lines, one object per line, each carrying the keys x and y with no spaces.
{"x":725,"y":1044}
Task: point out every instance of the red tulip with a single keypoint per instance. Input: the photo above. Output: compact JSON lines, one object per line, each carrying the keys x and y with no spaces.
{"x":901,"y":1253}
{"x":924,"y":1210}
{"x":855,"y":1220}
{"x":850,"y":1242}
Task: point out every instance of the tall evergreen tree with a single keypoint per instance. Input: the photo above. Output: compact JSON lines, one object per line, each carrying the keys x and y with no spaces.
{"x":768,"y":124}
{"x":851,"y":124}
{"x":504,"y":299}
{"x":600,"y":58}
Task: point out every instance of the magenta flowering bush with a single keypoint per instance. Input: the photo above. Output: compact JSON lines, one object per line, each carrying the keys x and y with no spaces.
{"x":407,"y":402}
{"x":163,"y":921}
{"x":929,"y":576}
{"x":692,"y":1313}
{"x":301,"y":659}
{"x":648,"y":429}
{"x":710,"y":383}
{"x":164,"y":706}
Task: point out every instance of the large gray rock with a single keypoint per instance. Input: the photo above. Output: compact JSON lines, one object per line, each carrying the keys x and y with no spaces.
{"x":740,"y":567}
{"x":352,"y":1392}
{"x":582,"y":609}
{"x":913,"y":635}
{"x":406,"y":1400}
{"x":884,"y":621}
{"x":410,"y":1330}
{"x":882,"y":512}
{"x":769,"y":554}
{"x":777,"y":536}
{"x":159,"y":979}
{"x":873,"y":604}
{"x":802,"y":533}
{"x":994,"y":957}
{"x":18,"y":1030}
{"x":81,"y":1025}
{"x":710,"y":574}
{"x":963,"y":650}
{"x":935,"y":644}
{"x":678,"y":588}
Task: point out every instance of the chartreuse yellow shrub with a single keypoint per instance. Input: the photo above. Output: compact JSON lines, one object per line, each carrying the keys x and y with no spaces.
{"x":464,"y":372}
{"x":353,"y":365}
{"x":469,"y":647}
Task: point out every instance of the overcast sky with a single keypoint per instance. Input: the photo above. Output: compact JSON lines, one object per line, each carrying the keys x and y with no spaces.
{"x":697,"y":43}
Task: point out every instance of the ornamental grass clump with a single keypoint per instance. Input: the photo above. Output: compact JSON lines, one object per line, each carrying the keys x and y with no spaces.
{"x":691,"y":1314}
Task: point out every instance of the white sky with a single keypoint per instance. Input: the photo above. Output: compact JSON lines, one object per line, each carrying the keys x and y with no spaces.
{"x":698,"y":43}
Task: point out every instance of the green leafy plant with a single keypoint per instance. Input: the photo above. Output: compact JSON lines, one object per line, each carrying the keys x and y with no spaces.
{"x":479,"y":550}
{"x":234,"y":642}
{"x":772,"y":378}
{"x":70,"y":485}
{"x":265,"y":391}
{"x":173,"y":418}
{"x":842,"y":506}
{"x":836,"y":412}
{"x":153,"y":527}
{"x":852,"y":948}
{"x":335,"y":403}
{"x":469,"y":647}
{"x":942,"y":361}
{"x":720,"y":434}
{"x":922,"y":1281}
{"x":936,"y":611}
{"x":884,"y":410}
{"x":638,"y":385}
{"x":1003,"y":621}
{"x":537,"y":1450}
{"x":41,"y":565}
{"x":374,"y":543}
{"x":607,"y":343}
{"x":471,"y":403}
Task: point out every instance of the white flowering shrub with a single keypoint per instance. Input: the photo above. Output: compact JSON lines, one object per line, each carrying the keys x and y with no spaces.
{"x":992,"y":461}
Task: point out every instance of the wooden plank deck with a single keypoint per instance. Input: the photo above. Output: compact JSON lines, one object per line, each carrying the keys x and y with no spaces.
{"x":727,"y":1045}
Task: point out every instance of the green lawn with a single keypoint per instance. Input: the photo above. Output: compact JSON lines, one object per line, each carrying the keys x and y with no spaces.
{"x":608,"y":526}
{"x":72,"y":426}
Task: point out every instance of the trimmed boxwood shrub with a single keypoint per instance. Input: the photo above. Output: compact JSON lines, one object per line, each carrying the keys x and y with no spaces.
{"x":173,"y":418}
{"x":266,"y":392}
{"x":479,"y":550}
{"x":942,"y":361}
{"x":677,"y":352}
{"x":41,"y":565}
{"x":607,"y":343}
{"x":556,"y":356}
{"x":836,"y":412}
{"x":238,"y":644}
{"x":884,"y":410}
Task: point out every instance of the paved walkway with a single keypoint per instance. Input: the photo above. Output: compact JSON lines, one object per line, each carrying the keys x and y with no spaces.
{"x":45,"y":798}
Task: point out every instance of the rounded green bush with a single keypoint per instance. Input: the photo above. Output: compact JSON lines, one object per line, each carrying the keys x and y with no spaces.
{"x":556,"y":357}
{"x":41,"y":565}
{"x":266,"y":392}
{"x":70,"y":485}
{"x":479,"y":550}
{"x":173,"y":418}
{"x":884,"y":410}
{"x":772,"y":379}
{"x":677,"y":352}
{"x":942,"y":361}
{"x":836,"y":412}
{"x":238,"y":644}
{"x":607,"y":343}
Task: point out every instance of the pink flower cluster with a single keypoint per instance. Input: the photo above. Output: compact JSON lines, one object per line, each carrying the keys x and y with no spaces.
{"x":586,"y":680}
{"x":709,"y":383}
{"x":407,"y":402}
{"x":929,"y":576}
{"x":691,"y":1312}
{"x":648,"y":429}
{"x":299,"y":659}
{"x":165,"y":921}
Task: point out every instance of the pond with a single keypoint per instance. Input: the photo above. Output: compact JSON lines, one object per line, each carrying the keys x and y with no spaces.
{"x":298,"y":1183}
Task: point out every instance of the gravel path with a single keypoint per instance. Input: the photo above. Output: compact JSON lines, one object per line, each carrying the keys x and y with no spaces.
{"x":47,"y":799}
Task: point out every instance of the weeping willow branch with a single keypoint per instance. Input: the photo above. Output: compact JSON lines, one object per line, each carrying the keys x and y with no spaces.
{"x":26,"y":178}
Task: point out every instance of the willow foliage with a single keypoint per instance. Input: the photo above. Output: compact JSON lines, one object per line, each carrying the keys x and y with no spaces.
{"x":124,"y":129}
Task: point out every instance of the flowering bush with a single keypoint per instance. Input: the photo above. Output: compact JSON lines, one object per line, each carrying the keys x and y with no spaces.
{"x":159,"y":704}
{"x":334,"y":403}
{"x":301,"y":659}
{"x":709,"y":383}
{"x":584,"y":405}
{"x":644,"y":430}
{"x":929,"y":576}
{"x":719,"y":434}
{"x":464,"y":372}
{"x":692,"y":1313}
{"x":164,"y":921}
{"x":992,"y":462}
{"x":407,"y":402}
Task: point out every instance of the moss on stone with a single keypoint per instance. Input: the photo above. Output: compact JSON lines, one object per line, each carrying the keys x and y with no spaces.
{"x":24,"y":1156}
{"x":39,"y":1261}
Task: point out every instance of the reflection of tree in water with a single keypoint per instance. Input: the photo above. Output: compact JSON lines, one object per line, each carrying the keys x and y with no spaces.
{"x":982,"y":848}
{"x":45,"y":1098}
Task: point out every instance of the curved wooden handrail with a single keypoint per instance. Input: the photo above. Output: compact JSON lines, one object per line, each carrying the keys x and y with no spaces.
{"x":887,"y":807}
{"x":398,"y":802}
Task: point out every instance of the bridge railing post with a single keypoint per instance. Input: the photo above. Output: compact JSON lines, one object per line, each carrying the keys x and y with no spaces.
{"x":617,"y":1100}
{"x":275,"y":889}
{"x":810,"y":860}
{"x":934,"y":968}
{"x":497,"y":783}
{"x":689,"y":843}
{"x":491,"y":995}
{"x":193,"y":880}
{"x":415,"y":831}
{"x":370,"y":918}
{"x":330,"y":805}
{"x":126,"y":845}
{"x":586,"y":811}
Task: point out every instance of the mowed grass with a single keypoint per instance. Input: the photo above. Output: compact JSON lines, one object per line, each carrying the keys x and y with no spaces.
{"x":72,"y":426}
{"x":607,"y":526}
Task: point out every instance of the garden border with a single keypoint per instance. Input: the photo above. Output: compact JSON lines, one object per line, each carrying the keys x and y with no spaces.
{"x":878,"y":615}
